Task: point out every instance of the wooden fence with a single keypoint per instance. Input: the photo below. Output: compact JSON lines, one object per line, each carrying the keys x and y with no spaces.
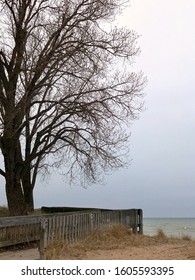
{"x":72,"y":226}
{"x":68,"y":226}
{"x":21,"y":229}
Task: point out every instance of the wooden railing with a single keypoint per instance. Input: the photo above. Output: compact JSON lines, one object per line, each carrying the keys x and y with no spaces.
{"x":73,"y":226}
{"x":68,"y":226}
{"x":21,"y":229}
{"x":16,"y":230}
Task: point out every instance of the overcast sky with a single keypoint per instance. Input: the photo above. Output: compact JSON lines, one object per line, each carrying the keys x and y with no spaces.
{"x":161,"y":177}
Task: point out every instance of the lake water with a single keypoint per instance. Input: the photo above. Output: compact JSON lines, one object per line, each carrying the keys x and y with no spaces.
{"x":171,"y":226}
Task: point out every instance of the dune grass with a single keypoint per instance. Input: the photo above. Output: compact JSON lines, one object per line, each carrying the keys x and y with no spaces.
{"x":4,"y":212}
{"x":116,"y":237}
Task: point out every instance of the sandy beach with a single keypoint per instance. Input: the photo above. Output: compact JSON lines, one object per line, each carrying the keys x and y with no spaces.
{"x":184,"y":251}
{"x":28,"y":254}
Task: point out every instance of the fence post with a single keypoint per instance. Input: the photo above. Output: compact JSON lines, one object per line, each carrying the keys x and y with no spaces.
{"x":91,"y":215}
{"x":140,"y":223}
{"x":43,"y":238}
{"x":135,"y":219}
{"x":120,"y":217}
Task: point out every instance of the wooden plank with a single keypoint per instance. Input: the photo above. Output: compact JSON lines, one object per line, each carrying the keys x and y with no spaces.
{"x":43,"y":238}
{"x":31,"y":219}
{"x":140,"y":222}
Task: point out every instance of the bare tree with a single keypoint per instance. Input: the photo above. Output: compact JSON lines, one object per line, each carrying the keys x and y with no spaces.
{"x":65,"y":95}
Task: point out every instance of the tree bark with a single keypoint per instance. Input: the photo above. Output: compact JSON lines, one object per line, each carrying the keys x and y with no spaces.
{"x":15,"y":199}
{"x":19,"y":193}
{"x":13,"y":166}
{"x":28,"y":191}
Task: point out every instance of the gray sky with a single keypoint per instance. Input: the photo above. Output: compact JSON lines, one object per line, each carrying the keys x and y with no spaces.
{"x":161,"y":177}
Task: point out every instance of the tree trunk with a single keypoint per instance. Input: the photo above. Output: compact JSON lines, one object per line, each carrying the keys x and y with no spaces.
{"x":28,"y":191}
{"x":15,"y":199}
{"x":19,"y":195}
{"x":13,"y":167}
{"x":29,"y":201}
{"x":26,"y":174}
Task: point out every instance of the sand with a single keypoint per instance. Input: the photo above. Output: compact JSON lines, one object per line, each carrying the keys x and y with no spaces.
{"x":152,"y":252}
{"x":28,"y":254}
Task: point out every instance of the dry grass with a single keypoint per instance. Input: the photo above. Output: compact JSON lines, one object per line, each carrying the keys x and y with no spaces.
{"x":186,"y":237}
{"x":117,"y":237}
{"x":4,"y":212}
